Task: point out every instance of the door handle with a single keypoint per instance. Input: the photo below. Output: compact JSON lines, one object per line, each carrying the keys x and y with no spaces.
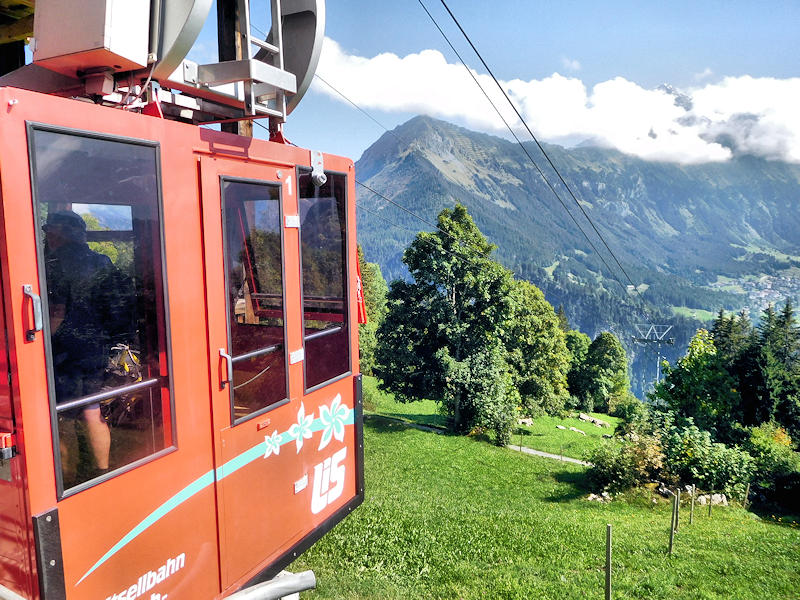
{"x":36,"y":303}
{"x":229,"y":363}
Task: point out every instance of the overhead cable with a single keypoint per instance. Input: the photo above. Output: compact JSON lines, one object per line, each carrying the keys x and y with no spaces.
{"x":521,"y":145}
{"x":356,"y":106}
{"x":535,"y":139}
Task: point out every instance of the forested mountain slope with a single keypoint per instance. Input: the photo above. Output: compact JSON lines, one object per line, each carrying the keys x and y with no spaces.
{"x":691,"y":237}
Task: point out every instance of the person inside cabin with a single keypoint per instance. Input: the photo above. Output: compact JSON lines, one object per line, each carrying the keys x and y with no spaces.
{"x":77,"y":279}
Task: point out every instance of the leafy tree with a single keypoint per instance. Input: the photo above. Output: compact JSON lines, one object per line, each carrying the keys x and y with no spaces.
{"x":577,"y":346}
{"x":699,"y":387}
{"x":604,"y":374}
{"x":442,"y":332}
{"x":120,"y":253}
{"x":375,"y":290}
{"x":536,"y":350}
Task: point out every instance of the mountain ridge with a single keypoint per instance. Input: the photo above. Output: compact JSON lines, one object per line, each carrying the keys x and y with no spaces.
{"x":680,"y":231}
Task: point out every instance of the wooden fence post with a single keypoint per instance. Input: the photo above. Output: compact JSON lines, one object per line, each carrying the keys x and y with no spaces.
{"x":672,"y":526}
{"x":691,"y":511}
{"x":608,"y":561}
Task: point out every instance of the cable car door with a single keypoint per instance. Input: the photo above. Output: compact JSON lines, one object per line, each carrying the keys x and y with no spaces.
{"x":251,"y":277}
{"x":113,"y":495}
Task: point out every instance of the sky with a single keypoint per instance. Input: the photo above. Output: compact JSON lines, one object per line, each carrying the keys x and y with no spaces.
{"x":688,"y":82}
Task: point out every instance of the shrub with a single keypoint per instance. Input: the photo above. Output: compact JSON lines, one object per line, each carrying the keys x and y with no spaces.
{"x":729,"y":469}
{"x":691,"y":457}
{"x":773,"y":457}
{"x":482,"y":386}
{"x":621,"y":466}
{"x":611,"y":468}
{"x":634,"y":413}
{"x":686,"y":450}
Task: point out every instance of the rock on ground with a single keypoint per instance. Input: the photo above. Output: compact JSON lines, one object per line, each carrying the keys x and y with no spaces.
{"x":715,"y":499}
{"x":594,"y":420}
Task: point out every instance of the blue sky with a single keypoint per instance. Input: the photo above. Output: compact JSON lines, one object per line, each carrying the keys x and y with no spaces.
{"x":733,"y":64}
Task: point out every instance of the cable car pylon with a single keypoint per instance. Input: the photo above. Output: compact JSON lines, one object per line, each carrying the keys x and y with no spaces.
{"x":652,"y":334}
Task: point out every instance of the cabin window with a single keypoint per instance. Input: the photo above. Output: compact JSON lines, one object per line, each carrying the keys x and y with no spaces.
{"x":254,"y":278}
{"x":323,"y":236}
{"x":101,"y":268}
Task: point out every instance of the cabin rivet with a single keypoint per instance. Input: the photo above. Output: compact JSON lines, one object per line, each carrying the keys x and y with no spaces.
{"x":280,"y":174}
{"x":48,"y":518}
{"x":52,"y":563}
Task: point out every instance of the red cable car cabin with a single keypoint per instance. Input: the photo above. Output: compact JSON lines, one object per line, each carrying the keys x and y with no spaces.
{"x":182,"y":414}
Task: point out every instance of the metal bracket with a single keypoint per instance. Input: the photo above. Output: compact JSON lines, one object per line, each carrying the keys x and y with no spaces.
{"x":318,"y":177}
{"x":297,"y":356}
{"x":190,"y":71}
{"x":49,"y":558}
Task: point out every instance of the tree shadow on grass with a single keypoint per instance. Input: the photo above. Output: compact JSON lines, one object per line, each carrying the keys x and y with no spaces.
{"x":578,"y":482}
{"x":776,"y":514}
{"x":422,"y":419}
{"x":387,"y":424}
{"x":525,"y":432}
{"x":381,"y":424}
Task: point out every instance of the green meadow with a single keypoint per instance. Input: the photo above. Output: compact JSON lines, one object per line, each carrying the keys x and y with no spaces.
{"x":455,"y":517}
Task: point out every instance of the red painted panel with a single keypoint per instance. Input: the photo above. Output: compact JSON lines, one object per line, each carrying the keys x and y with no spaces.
{"x":15,"y":572}
{"x":157,"y":527}
{"x":266,"y":478}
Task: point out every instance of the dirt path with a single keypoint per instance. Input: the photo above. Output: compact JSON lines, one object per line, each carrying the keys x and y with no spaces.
{"x":548,"y":455}
{"x":522,"y":449}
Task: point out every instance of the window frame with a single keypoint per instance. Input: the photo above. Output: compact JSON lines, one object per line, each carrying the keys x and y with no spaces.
{"x":348,"y":311}
{"x":31,"y":128}
{"x":228,"y":309}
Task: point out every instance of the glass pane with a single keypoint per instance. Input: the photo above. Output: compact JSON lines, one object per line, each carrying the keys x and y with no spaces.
{"x":323,"y":236}
{"x":254,"y":275}
{"x":97,"y":201}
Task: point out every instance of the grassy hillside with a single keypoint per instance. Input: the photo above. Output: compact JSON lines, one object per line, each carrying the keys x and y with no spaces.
{"x":453,"y":517}
{"x":545,"y":435}
{"x":424,"y":412}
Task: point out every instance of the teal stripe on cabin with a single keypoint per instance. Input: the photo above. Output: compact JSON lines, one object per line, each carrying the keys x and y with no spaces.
{"x":199,"y":485}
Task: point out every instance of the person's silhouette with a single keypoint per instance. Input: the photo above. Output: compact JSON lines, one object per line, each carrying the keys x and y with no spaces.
{"x":75,"y":276}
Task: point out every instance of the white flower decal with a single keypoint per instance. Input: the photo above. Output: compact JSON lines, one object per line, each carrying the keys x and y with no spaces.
{"x":273,"y":444}
{"x":302,"y":429}
{"x":333,"y":419}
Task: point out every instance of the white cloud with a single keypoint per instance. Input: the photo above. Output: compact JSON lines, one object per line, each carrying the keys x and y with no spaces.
{"x":570,"y":64}
{"x":704,"y":74}
{"x":709,"y":123}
